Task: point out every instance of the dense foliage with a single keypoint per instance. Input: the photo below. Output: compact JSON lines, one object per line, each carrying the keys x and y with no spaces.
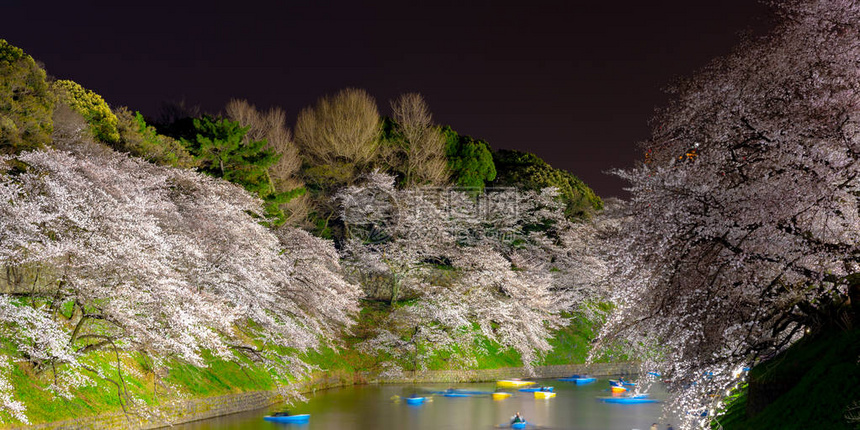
{"x":220,"y":148}
{"x":744,"y":229}
{"x":285,"y":173}
{"x":26,"y":102}
{"x":92,"y":106}
{"x":527,"y":171}
{"x":470,"y":160}
{"x":142,"y":140}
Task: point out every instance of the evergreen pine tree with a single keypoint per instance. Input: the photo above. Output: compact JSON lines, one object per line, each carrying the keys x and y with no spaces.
{"x":220,"y":149}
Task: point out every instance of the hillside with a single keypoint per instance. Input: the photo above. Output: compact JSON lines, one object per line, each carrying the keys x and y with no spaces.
{"x":148,"y":263}
{"x":813,"y":385}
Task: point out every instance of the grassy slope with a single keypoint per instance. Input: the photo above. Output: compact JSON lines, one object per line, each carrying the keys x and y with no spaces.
{"x":181,"y":381}
{"x":223,"y":377}
{"x":830,"y":382}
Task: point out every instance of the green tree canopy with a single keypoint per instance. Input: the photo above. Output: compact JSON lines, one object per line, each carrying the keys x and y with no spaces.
{"x":220,"y":148}
{"x":141,"y":140}
{"x":526,"y":170}
{"x":26,"y":103}
{"x":470,"y":160}
{"x":92,"y":107}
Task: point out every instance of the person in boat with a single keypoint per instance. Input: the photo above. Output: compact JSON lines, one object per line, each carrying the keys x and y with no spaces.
{"x":654,"y":426}
{"x":284,"y":413}
{"x":669,"y":427}
{"x":517,"y":418}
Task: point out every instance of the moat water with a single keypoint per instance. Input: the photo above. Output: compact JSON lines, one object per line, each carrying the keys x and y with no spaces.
{"x":376,"y":407}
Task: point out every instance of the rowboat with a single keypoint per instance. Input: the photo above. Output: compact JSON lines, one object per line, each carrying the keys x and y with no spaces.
{"x":513,"y":383}
{"x":544,"y":394}
{"x":533,"y":389}
{"x":629,"y":400}
{"x":415,"y":400}
{"x":472,"y":392}
{"x":617,"y":386}
{"x":519,"y":425}
{"x":300,"y":418}
{"x":501,"y":395}
{"x":579,"y":380}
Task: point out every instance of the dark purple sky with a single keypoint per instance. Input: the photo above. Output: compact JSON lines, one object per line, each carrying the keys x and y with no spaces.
{"x":574,"y":82}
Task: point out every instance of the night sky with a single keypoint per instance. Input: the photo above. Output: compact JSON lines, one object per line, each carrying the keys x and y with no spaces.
{"x":574,"y":82}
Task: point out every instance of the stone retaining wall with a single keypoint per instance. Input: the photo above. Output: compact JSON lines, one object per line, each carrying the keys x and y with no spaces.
{"x":183,"y":411}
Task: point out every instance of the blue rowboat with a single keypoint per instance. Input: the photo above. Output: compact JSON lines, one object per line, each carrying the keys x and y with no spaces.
{"x":414,"y":400}
{"x":470,"y":392}
{"x":456,"y":394}
{"x":532,"y":390}
{"x":629,"y":400}
{"x":579,"y":380}
{"x":519,"y":425}
{"x":294,"y":419}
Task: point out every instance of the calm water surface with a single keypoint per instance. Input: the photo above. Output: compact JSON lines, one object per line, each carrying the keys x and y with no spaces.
{"x":371,"y":407}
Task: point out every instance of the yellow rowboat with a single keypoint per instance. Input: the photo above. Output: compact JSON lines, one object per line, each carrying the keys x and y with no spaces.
{"x":615,"y":389}
{"x":544,"y":394}
{"x":513,"y":383}
{"x":501,"y":395}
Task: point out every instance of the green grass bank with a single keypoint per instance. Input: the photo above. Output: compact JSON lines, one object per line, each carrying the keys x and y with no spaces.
{"x":815,"y":384}
{"x":147,"y":384}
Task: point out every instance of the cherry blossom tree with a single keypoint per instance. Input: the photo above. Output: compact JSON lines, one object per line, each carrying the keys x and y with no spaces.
{"x":155,"y":259}
{"x":394,"y":235}
{"x":495,"y":266}
{"x":581,"y":267}
{"x":744,"y":227}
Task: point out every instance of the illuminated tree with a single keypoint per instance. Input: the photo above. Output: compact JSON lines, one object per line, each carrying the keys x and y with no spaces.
{"x":733,"y":252}
{"x":26,"y":102}
{"x":470,"y":160}
{"x":92,"y":106}
{"x":498,"y":262}
{"x":340,"y":129}
{"x":271,"y":127}
{"x":155,"y":259}
{"x":419,"y":147}
{"x":528,"y":171}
